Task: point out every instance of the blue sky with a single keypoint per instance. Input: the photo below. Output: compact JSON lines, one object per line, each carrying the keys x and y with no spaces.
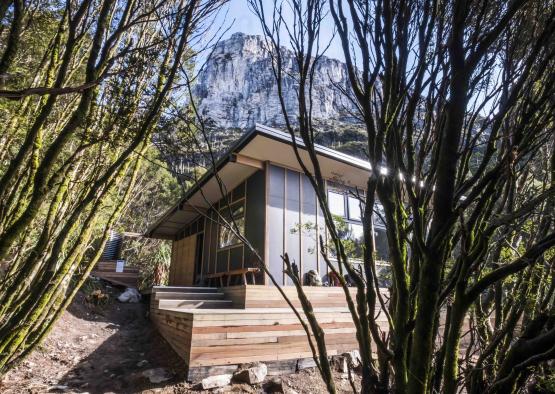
{"x":242,"y":19}
{"x":238,"y":17}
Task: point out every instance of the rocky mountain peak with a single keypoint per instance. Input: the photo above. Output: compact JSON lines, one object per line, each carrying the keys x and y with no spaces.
{"x":237,"y":88}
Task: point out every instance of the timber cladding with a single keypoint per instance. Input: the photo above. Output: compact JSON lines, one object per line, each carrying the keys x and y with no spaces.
{"x":269,"y":297}
{"x":182,"y":266}
{"x":222,"y":337}
{"x":207,"y":338}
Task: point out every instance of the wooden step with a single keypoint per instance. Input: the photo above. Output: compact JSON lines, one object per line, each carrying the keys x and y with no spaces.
{"x":194,"y":304}
{"x":187,"y":296}
{"x":118,"y":278}
{"x":111,"y":266}
{"x":184,"y":289}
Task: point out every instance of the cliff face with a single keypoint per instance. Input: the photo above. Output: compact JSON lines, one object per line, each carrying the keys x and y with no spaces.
{"x":237,"y":87}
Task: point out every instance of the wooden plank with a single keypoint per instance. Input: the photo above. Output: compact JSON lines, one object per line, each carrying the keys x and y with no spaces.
{"x":220,"y":337}
{"x":183,"y":261}
{"x":228,"y":342}
{"x":265,"y":328}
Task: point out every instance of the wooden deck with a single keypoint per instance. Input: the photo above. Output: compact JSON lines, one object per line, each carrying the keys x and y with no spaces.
{"x":255,"y":325}
{"x":252,"y":296}
{"x":107,"y":271}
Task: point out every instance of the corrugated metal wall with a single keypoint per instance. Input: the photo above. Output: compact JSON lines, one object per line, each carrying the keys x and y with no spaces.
{"x":113,"y":247}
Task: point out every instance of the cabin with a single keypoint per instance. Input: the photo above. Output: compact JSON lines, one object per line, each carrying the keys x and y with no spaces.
{"x":219,"y":308}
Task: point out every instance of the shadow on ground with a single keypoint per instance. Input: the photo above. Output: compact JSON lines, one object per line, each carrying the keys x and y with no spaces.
{"x":130,"y":347}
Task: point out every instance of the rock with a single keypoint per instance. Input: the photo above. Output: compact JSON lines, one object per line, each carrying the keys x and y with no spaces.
{"x":157,"y":375}
{"x":347,"y":360}
{"x":304,"y":363}
{"x":57,"y":388}
{"x":340,"y":363}
{"x":142,"y":363}
{"x":313,"y":279}
{"x":131,"y":295}
{"x":252,"y":374}
{"x":236,"y":87}
{"x":353,"y":357}
{"x":216,"y":381}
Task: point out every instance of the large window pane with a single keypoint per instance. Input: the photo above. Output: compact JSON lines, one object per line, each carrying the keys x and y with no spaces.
{"x":352,"y":237}
{"x":235,"y":216}
{"x":292,"y":219}
{"x":276,"y":206}
{"x":356,"y":241}
{"x":336,"y":203}
{"x":228,"y":237}
{"x":379,"y":216}
{"x":382,"y":252}
{"x":309,"y":237}
{"x":355,"y":212}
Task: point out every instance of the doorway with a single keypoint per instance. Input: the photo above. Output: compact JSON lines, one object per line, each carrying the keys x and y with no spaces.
{"x":182,"y":268}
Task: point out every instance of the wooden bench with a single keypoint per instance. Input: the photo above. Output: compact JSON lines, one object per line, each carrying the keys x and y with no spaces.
{"x":240,"y":271}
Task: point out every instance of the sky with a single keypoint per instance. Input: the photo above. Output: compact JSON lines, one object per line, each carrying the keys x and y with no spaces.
{"x":239,"y":17}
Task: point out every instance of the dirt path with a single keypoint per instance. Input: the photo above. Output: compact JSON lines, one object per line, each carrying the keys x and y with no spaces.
{"x":108,"y":349}
{"x":96,"y":349}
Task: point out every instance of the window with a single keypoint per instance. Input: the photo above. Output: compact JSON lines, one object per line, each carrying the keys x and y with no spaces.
{"x":347,"y":210}
{"x":378,"y":215}
{"x":355,"y":212}
{"x":352,"y":235}
{"x":382,"y":249}
{"x":336,"y":202}
{"x":356,"y":240}
{"x":236,"y":217}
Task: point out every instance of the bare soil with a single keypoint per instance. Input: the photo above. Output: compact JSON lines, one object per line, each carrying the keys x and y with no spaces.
{"x":106,"y":348}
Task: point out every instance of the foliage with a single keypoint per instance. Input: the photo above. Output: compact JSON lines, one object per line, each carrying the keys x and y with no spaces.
{"x":84,"y":86}
{"x":457,"y":103}
{"x":156,"y":189}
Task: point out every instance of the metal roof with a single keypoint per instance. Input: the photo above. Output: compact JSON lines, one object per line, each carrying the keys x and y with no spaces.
{"x":268,"y":146}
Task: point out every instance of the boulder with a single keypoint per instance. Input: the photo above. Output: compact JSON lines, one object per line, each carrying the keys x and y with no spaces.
{"x":341,"y":363}
{"x":347,"y":360}
{"x":252,"y":374}
{"x":130,"y":295}
{"x":157,"y":375}
{"x":353,"y":357}
{"x":304,"y":363}
{"x":313,"y":279}
{"x":216,"y":381}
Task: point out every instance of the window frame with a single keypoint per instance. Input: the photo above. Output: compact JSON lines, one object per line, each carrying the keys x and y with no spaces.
{"x":348,"y":199}
{"x":225,"y":211}
{"x":337,"y":193}
{"x":346,"y":217}
{"x":350,"y":221}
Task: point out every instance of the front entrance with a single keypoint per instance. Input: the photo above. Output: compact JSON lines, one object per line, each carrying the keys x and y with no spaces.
{"x":182,"y":268}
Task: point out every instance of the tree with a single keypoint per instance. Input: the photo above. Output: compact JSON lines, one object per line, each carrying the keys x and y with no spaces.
{"x":74,"y":137}
{"x":457,"y":102}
